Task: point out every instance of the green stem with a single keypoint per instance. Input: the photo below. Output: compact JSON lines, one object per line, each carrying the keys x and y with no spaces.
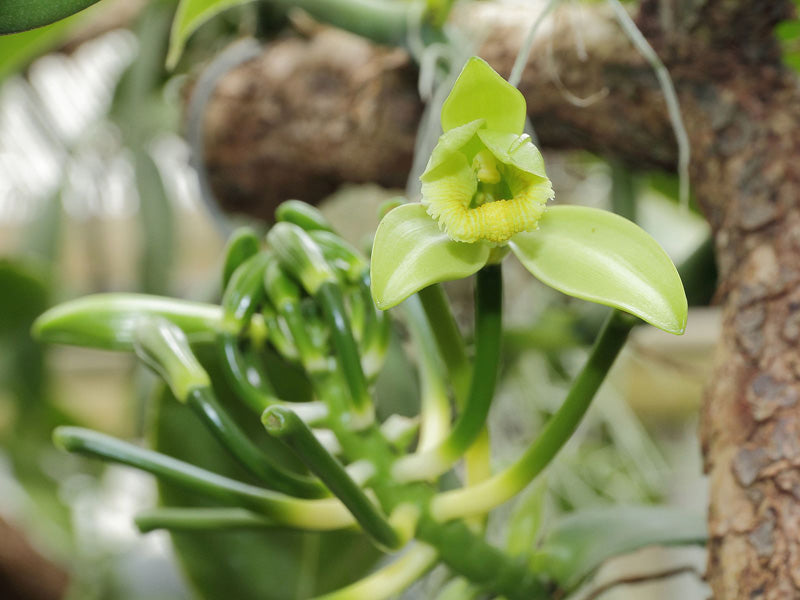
{"x":250,"y":456}
{"x":329,"y":297}
{"x":244,"y":293}
{"x":283,"y":424}
{"x":311,"y":356}
{"x":483,"y":564}
{"x":251,"y":385}
{"x":471,"y":421}
{"x":434,"y":405}
{"x":198,"y":519}
{"x":247,"y":380}
{"x":391,"y":580}
{"x":448,"y":338}
{"x":481,"y":498}
{"x":242,"y":244}
{"x":325,"y":514}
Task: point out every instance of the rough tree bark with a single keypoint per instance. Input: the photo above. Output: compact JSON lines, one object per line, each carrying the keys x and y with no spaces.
{"x":312,"y":113}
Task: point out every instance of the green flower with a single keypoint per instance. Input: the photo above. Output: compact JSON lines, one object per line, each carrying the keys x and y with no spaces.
{"x":485,"y":186}
{"x":485,"y":180}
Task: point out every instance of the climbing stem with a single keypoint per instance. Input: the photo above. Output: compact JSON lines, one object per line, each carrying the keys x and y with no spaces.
{"x":434,"y":405}
{"x":448,"y":338}
{"x":329,"y":295}
{"x":483,"y":564}
{"x":390,"y":580}
{"x":471,"y":421}
{"x":286,"y":426}
{"x":324,"y":514}
{"x":481,"y":498}
{"x":198,"y":519}
{"x":204,"y":404}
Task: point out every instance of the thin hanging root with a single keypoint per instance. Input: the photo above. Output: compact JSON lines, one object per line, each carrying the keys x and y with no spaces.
{"x":670,"y":96}
{"x":525,"y":49}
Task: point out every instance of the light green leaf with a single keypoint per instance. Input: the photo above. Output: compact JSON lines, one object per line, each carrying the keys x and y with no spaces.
{"x":598,"y":256}
{"x":191,"y":14}
{"x":581,"y":542}
{"x":22,"y":15}
{"x":480,"y":93}
{"x":411,"y":253}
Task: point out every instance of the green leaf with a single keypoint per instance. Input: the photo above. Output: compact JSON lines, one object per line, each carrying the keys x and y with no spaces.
{"x":411,"y":253}
{"x":480,"y":93}
{"x":22,"y":15}
{"x":598,"y":256}
{"x":581,"y":542}
{"x":20,"y":48}
{"x":191,"y":14}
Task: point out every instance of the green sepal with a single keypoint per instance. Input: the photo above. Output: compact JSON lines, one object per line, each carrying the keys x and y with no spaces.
{"x":514,"y":150}
{"x":450,"y":143}
{"x":108,"y":321}
{"x":411,"y":253}
{"x":480,"y":93}
{"x":598,"y":256}
{"x":581,"y":542}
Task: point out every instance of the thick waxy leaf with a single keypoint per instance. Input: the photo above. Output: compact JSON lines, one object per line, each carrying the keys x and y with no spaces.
{"x":21,"y":15}
{"x":190,"y":16}
{"x":480,"y":93}
{"x":598,"y":256}
{"x":580,"y":543}
{"x":411,"y":253}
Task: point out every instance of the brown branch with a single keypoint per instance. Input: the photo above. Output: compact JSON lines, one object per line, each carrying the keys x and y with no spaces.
{"x":24,"y":573}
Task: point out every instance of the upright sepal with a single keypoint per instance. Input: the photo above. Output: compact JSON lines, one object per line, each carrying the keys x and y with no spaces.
{"x":411,"y":253}
{"x":598,"y":256}
{"x":480,"y":93}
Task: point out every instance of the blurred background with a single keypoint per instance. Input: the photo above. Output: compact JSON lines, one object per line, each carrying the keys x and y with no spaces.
{"x":98,"y":194}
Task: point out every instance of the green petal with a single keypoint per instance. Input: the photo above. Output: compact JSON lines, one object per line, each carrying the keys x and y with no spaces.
{"x":449,"y":145}
{"x":480,"y":93}
{"x":512,"y":149}
{"x":411,"y":253}
{"x":598,"y":256}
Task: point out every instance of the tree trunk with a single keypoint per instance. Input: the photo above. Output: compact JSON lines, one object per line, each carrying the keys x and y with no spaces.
{"x":272,"y":133}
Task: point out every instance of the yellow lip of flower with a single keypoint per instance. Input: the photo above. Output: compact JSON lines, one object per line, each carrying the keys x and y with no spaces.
{"x":458,"y":195}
